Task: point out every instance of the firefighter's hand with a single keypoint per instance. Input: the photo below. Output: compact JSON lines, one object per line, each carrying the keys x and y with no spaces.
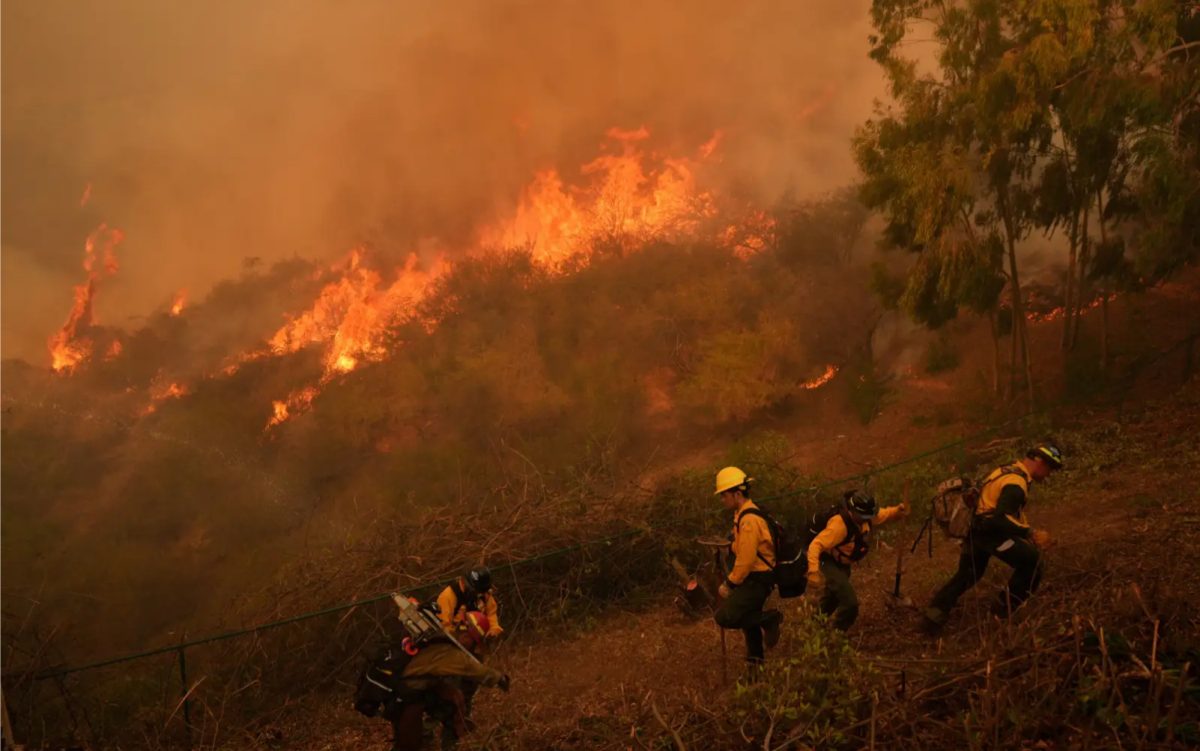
{"x":1041,"y":538}
{"x":816,"y":585}
{"x":905,"y":510}
{"x":723,"y":591}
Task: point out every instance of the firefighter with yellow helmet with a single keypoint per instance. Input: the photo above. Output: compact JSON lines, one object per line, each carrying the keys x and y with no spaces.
{"x":750,"y":581}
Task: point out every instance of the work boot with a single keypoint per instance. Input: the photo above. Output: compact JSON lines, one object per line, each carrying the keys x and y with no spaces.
{"x":755,"y":669}
{"x":771,"y":628}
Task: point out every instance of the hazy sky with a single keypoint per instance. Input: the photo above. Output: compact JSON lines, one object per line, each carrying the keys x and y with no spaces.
{"x":216,"y":130}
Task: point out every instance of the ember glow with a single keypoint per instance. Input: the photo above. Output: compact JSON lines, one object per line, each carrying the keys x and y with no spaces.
{"x":73,"y":344}
{"x":1059,"y":312}
{"x":179,"y":302}
{"x":821,"y":380}
{"x":160,"y":393}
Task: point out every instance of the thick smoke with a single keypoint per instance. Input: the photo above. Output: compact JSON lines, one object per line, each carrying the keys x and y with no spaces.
{"x":218,"y":131}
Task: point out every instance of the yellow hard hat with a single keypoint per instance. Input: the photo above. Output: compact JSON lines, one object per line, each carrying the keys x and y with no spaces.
{"x":729,"y":478}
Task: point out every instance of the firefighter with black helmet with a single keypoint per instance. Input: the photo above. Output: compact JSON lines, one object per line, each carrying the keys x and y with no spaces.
{"x":470,"y":592}
{"x":842,"y":537}
{"x":999,"y":529}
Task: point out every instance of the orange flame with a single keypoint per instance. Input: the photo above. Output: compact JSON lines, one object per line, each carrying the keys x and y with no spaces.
{"x":351,"y":317}
{"x":296,"y":402}
{"x":71,"y":345}
{"x":1059,"y":312}
{"x":627,"y":196}
{"x":114,"y":350}
{"x":179,"y":303}
{"x":626,"y":200}
{"x":160,"y":393}
{"x":821,"y":380}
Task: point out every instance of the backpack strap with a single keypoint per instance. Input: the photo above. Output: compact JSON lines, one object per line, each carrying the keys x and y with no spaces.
{"x":854,"y":531}
{"x":770,"y":530}
{"x":1011,"y":469}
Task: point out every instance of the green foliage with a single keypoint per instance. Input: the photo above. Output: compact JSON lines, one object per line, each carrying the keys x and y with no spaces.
{"x":886,"y":287}
{"x":941,"y":355}
{"x":813,"y":695}
{"x":868,"y":389}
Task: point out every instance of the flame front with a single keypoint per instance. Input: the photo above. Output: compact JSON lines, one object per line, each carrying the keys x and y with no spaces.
{"x":72,"y":345}
{"x":297,"y":401}
{"x":351,"y":318}
{"x":1059,"y":312}
{"x":821,"y":380}
{"x":624,"y":200}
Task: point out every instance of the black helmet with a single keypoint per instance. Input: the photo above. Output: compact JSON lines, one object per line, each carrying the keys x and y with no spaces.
{"x":861,"y":503}
{"x":479,"y":580}
{"x":1048,"y":453}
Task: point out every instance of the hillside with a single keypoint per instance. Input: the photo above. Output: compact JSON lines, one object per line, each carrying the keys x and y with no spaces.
{"x":1124,"y":516}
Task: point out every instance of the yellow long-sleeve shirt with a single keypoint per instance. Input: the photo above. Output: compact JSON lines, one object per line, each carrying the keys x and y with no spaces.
{"x":753,"y":549}
{"x":453,"y":613}
{"x":837,"y":541}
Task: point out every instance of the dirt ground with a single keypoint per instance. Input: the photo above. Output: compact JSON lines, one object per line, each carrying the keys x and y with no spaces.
{"x":1124,"y":513}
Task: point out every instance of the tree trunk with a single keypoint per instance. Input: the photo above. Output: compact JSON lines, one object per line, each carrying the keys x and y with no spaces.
{"x":1019,"y":327}
{"x":1070,"y":281}
{"x":1103,"y":330}
{"x":1081,"y":287}
{"x":1103,"y":287}
{"x":995,"y":353}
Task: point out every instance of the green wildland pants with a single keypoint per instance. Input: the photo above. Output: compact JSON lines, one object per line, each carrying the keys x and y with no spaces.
{"x":744,"y":609}
{"x":840,"y":600}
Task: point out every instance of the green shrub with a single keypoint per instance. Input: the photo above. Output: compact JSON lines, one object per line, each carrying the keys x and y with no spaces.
{"x":941,"y":355}
{"x":811,"y":697}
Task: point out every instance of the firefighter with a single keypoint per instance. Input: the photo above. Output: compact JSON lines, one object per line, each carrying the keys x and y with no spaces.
{"x":999,"y":529}
{"x":432,"y":682}
{"x":842,"y":537}
{"x":750,"y":581}
{"x":470,"y":592}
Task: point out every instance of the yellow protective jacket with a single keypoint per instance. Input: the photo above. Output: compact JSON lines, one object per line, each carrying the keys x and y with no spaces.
{"x":837,"y":541}
{"x":753,"y":549}
{"x":455,"y":602}
{"x":1001,"y":506}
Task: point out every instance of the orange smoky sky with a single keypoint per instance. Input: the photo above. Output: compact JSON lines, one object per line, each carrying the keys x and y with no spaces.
{"x":210,"y":132}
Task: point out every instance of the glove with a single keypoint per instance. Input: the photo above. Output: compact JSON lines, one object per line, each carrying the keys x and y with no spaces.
{"x":904,"y":510}
{"x":504,"y":683}
{"x":723,"y":591}
{"x":816,"y":583}
{"x":1041,"y":538}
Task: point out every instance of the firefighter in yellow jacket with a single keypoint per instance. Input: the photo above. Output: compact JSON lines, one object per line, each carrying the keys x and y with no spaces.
{"x":843,"y":538}
{"x":750,"y":581}
{"x":470,"y":592}
{"x":1000,"y":529}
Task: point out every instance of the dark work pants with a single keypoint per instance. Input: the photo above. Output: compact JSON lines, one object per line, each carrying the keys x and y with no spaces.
{"x":407,"y":726}
{"x":743,"y":609}
{"x":840,"y":600}
{"x":1022,"y":555}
